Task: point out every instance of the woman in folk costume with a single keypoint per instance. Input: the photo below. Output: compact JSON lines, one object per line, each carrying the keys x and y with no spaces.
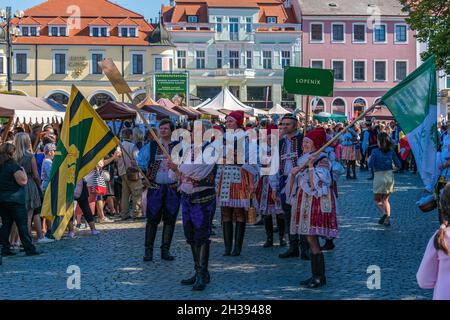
{"x":313,"y":202}
{"x":268,"y":193}
{"x":349,"y":141}
{"x":234,"y":184}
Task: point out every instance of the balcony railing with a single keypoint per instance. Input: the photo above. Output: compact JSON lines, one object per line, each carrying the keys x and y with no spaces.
{"x":184,"y":26}
{"x":243,"y":28}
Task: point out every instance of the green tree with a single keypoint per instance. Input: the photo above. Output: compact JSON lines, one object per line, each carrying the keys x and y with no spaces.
{"x":431,"y":21}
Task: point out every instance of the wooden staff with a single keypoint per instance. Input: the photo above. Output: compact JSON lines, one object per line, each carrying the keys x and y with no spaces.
{"x":131,"y":158}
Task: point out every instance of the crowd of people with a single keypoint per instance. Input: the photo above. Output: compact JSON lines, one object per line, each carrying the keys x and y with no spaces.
{"x":137,"y":180}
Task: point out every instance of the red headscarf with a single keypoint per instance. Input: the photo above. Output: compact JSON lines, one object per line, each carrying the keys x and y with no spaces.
{"x":318,"y":136}
{"x":238,"y":116}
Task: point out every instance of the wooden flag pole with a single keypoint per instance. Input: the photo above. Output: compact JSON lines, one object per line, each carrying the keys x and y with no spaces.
{"x":122,"y":148}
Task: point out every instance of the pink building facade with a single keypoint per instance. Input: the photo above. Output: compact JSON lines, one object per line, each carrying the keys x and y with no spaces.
{"x":369,"y":55}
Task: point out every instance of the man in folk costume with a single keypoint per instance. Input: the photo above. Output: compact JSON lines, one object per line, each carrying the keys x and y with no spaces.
{"x":235,"y":184}
{"x":313,"y":201}
{"x":268,"y":193}
{"x":198,"y":198}
{"x":163,"y":199}
{"x":290,"y":151}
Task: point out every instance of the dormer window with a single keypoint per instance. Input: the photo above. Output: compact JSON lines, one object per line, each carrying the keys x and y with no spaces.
{"x":126,"y":32}
{"x":192,"y":19}
{"x":29,"y":31}
{"x":99,"y":32}
{"x":271,"y":19}
{"x":57,"y":31}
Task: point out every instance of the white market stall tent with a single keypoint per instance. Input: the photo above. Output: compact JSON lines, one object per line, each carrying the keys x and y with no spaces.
{"x":30,"y":109}
{"x":225,"y":101}
{"x":277,"y":109}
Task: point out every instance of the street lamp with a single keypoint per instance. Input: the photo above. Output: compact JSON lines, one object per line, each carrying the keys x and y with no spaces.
{"x":6,"y":37}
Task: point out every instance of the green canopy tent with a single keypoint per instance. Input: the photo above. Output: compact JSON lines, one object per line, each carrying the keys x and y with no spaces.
{"x":325,"y":116}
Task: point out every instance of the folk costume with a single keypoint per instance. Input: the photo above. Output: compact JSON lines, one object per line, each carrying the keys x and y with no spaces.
{"x":314,"y":205}
{"x":234,"y":183}
{"x":163,"y":199}
{"x":290,"y":150}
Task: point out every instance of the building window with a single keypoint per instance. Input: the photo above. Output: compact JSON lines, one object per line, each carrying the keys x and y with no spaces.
{"x":2,"y":65}
{"x":379,"y":33}
{"x":248,"y":24}
{"x":192,"y":19}
{"x":285,"y":59}
{"x":338,"y":106}
{"x":25,"y":31}
{"x":234,"y":59}
{"x":359,"y":105}
{"x":63,"y":31}
{"x":267,"y":59}
{"x":21,"y":63}
{"x":317,"y":105}
{"x":54,"y":31}
{"x":359,"y":70}
{"x":200,"y":60}
{"x":359,"y":33}
{"x":259,"y":93}
{"x":338,"y":68}
{"x":60,"y":98}
{"x":219,"y":60}
{"x":138,"y":64}
{"x":60,"y":63}
{"x":318,"y":64}
{"x":208,"y":92}
{"x":33,"y":31}
{"x":234,"y":29}
{"x":124,"y":32}
{"x":380,"y":71}
{"x":181,"y":59}
{"x":104,"y":32}
{"x":219,"y":24}
{"x":158,"y":65}
{"x":271,"y":20}
{"x":95,"y":32}
{"x":235,"y":91}
{"x":285,"y":96}
{"x":96,"y":58}
{"x":249,"y":60}
{"x":338,"y":33}
{"x":100,"y":99}
{"x":400,"y":70}
{"x":133,"y":32}
{"x":316,"y":32}
{"x":401,"y":33}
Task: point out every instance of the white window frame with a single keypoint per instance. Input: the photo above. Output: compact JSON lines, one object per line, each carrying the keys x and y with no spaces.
{"x":248,"y":23}
{"x":321,"y":60}
{"x":91,"y":65}
{"x":91,"y":31}
{"x":154,"y":63}
{"x":16,"y":52}
{"x":353,"y":32}
{"x":54,"y":62}
{"x":139,"y":53}
{"x":238,"y":58}
{"x":331,"y":33}
{"x":204,"y":58}
{"x":311,"y":104}
{"x":264,"y":58}
{"x":353,"y":104}
{"x":221,"y":58}
{"x":385,"y":33}
{"x":189,"y":16}
{"x":128,"y":28}
{"x":276,"y":19}
{"x":365,"y":70}
{"x":58,"y":33}
{"x":343,"y":99}
{"x":310,"y":32}
{"x":395,"y":68}
{"x":38,"y":30}
{"x":281,"y":58}
{"x":339,"y":60}
{"x":395,"y":33}
{"x":219,"y":23}
{"x":184,"y":58}
{"x":3,"y":64}
{"x":247,"y":57}
{"x":386,"y":71}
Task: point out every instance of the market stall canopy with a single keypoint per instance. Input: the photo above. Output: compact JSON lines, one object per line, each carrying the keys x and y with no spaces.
{"x":30,"y":109}
{"x":325,"y":116}
{"x":226,"y":101}
{"x":113,"y":110}
{"x":191,"y":113}
{"x":259,"y":112}
{"x":380,"y":113}
{"x":204,"y":103}
{"x":151,"y":106}
{"x":277,"y":109}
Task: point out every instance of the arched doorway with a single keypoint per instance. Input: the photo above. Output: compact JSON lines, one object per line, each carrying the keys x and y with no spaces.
{"x":99,"y":98}
{"x":320,"y":107}
{"x":338,"y":106}
{"x":59,"y":96}
{"x":359,"y":105}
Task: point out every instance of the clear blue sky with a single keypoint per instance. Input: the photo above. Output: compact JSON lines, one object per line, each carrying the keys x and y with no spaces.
{"x":148,"y":8}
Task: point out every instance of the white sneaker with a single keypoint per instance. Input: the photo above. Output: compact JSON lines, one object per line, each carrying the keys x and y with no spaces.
{"x":105,"y":220}
{"x":45,"y":240}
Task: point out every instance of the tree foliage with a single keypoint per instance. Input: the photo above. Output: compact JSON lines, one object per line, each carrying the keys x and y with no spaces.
{"x":431,"y":21}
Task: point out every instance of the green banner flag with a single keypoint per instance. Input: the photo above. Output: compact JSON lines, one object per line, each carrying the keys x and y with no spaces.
{"x":413,"y":103}
{"x":309,"y":81}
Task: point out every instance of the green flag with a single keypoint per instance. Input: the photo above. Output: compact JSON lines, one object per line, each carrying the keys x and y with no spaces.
{"x":413,"y":103}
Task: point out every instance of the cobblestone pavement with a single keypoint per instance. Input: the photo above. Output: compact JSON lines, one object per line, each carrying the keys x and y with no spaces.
{"x":112,"y":268}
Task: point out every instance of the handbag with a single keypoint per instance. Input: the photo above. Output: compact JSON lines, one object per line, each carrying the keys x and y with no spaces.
{"x":99,"y":186}
{"x":16,"y":197}
{"x":131,"y":172}
{"x":251,"y":215}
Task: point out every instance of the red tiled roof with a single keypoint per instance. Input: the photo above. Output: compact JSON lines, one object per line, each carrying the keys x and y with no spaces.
{"x":127,"y":22}
{"x":283,"y":15}
{"x":99,"y":22}
{"x":28,"y":21}
{"x":231,"y":3}
{"x":181,"y":12}
{"x":57,"y":21}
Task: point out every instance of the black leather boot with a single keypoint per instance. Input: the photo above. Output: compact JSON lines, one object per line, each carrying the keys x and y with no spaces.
{"x":318,"y":268}
{"x":304,"y":248}
{"x":195,"y":257}
{"x":238,"y":238}
{"x":150,"y":235}
{"x":348,"y":172}
{"x":168,"y":230}
{"x":227,"y":228}
{"x":202,"y":275}
{"x":268,"y":224}
{"x":281,"y":227}
{"x":354,"y":171}
{"x":293,"y":250}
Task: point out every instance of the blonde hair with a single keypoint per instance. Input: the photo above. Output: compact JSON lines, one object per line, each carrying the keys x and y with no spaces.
{"x":22,"y":142}
{"x":439,"y":240}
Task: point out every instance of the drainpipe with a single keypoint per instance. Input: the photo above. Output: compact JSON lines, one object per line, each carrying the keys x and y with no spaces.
{"x":123,"y":68}
{"x":36,"y":69}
